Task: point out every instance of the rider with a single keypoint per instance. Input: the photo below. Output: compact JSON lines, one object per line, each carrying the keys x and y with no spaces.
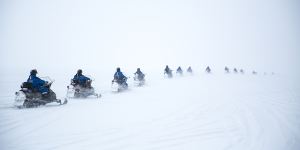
{"x":80,"y":79}
{"x":167,"y":70}
{"x":226,"y":69}
{"x":119,"y":77}
{"x":208,"y":70}
{"x":235,"y":70}
{"x":179,"y":70}
{"x":37,"y":83}
{"x":139,"y":74}
{"x":189,"y":69}
{"x":242,"y":71}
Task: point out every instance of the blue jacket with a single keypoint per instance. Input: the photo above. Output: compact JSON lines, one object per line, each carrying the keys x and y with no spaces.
{"x":119,"y":76}
{"x":37,"y":83}
{"x":80,"y":79}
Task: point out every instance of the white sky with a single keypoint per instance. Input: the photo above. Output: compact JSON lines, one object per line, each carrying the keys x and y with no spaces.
{"x":253,"y":34}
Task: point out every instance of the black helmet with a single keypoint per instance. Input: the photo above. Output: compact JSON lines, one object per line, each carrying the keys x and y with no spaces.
{"x":118,"y":69}
{"x":79,"y":72}
{"x":33,"y":72}
{"x":138,"y":69}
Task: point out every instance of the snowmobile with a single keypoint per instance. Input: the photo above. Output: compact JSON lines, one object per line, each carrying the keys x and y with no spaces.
{"x":81,"y":91}
{"x":235,"y":70}
{"x":28,"y":97}
{"x":168,"y":74}
{"x":227,"y":70}
{"x":118,"y":86}
{"x":208,"y":70}
{"x":138,"y":81}
{"x":242,"y":71}
{"x":189,"y":71}
{"x":179,"y":72}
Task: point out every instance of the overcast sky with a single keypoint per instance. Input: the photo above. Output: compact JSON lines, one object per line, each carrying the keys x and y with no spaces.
{"x":253,"y":34}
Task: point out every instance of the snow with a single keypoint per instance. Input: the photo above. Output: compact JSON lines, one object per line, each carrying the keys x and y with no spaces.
{"x":215,"y":111}
{"x":204,"y":111}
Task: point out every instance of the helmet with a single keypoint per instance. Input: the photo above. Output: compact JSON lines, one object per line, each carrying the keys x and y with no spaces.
{"x":33,"y":72}
{"x":118,"y":69}
{"x":79,"y":72}
{"x":138,"y":69}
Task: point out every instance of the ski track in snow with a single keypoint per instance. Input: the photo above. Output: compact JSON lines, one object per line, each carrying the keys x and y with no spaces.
{"x":226,"y":112}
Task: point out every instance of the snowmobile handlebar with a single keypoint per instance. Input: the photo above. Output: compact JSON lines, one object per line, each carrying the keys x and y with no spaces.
{"x":48,"y":84}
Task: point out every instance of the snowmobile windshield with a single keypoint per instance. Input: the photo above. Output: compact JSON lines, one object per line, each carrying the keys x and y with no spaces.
{"x":48,"y":79}
{"x":91,"y":78}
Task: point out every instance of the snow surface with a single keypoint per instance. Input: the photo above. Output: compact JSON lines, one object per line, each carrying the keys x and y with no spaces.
{"x":204,"y":111}
{"x":201,"y":112}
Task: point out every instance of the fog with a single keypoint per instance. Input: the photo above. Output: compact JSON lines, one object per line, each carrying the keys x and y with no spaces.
{"x":236,"y":111}
{"x":260,"y":35}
